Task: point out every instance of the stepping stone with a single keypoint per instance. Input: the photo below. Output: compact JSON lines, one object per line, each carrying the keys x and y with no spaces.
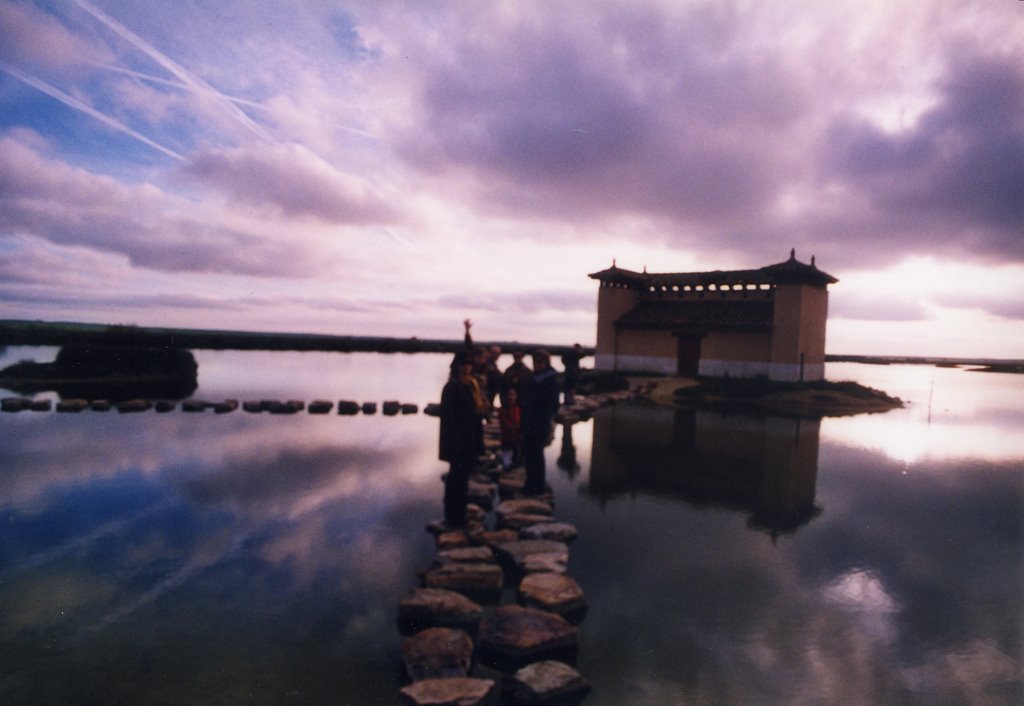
{"x":465,"y":555}
{"x":224,"y":407}
{"x":369,"y":407}
{"x":513,"y":635}
{"x":432,"y":410}
{"x":100,"y":405}
{"x":477,"y":580}
{"x":163,"y":406}
{"x":193,"y":406}
{"x":492,"y":538}
{"x":557,"y":531}
{"x":549,"y":682}
{"x":437,"y":653}
{"x":133,"y":406}
{"x":518,"y":521}
{"x":555,"y":593}
{"x":348,"y":407}
{"x":462,"y":691}
{"x":527,"y":506}
{"x":253,"y":406}
{"x":291,"y":407}
{"x":72,"y":405}
{"x":532,"y":556}
{"x":483,"y":494}
{"x":437,"y":607}
{"x":408,"y":408}
{"x":320,"y":407}
{"x":39,"y":405}
{"x":391,"y":408}
{"x":14,"y":404}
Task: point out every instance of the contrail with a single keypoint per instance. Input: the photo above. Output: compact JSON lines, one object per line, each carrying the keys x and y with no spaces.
{"x":73,"y":102}
{"x":172,"y":66}
{"x":175,"y":84}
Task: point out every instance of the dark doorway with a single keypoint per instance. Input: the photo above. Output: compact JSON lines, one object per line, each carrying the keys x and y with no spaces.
{"x":689,"y":354}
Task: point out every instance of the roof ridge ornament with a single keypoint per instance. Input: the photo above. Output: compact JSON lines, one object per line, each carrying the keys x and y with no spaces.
{"x":792,"y":253}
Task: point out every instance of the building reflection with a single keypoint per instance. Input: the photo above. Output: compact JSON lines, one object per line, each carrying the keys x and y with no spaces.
{"x":766,"y":467}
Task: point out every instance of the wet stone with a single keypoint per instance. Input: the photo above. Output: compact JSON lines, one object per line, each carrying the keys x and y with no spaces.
{"x":369,"y":408}
{"x":437,"y":607}
{"x":557,"y":531}
{"x":465,"y":555}
{"x":549,"y":682}
{"x":518,"y":521}
{"x":191,"y":406}
{"x":100,"y":405}
{"x":514,"y":635}
{"x":482,"y":494}
{"x":437,"y":653}
{"x":14,"y":404}
{"x":252,"y":406}
{"x":534,"y":555}
{"x":462,"y":691}
{"x":348,"y":407}
{"x":492,"y":538}
{"x":320,"y":407}
{"x":524,"y":506}
{"x":391,"y":408}
{"x":225,"y":407}
{"x":40,"y":405}
{"x":164,"y":406}
{"x":129,"y":406}
{"x":409,"y":408}
{"x":72,"y":405}
{"x":478,"y":580}
{"x":555,"y":593}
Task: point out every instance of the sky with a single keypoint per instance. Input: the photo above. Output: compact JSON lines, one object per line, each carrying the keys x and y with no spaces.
{"x":391,"y":168}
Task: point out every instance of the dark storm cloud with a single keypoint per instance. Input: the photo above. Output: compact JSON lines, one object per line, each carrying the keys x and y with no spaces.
{"x":954,"y":183}
{"x":637,"y":111}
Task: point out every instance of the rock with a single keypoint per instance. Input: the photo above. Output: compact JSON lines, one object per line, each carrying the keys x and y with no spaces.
{"x":437,"y":607}
{"x":348,"y":407}
{"x":492,"y":538}
{"x":525,"y":506}
{"x":320,"y":407}
{"x":72,"y":405}
{"x":517,"y":521}
{"x":369,"y":407}
{"x":409,"y":408}
{"x":224,"y":407}
{"x":290,"y":407}
{"x":391,"y":408}
{"x":128,"y":406}
{"x":452,"y":539}
{"x":557,"y":531}
{"x":40,"y":405}
{"x":437,"y":653}
{"x":253,"y":406}
{"x":483,"y":494}
{"x":163,"y":406}
{"x":461,"y":691}
{"x":193,"y":406}
{"x":14,"y":404}
{"x":433,"y":409}
{"x":465,"y":555}
{"x":555,"y":593}
{"x":477,"y":580}
{"x":514,"y":635}
{"x":100,"y":405}
{"x":534,"y":555}
{"x":549,"y":682}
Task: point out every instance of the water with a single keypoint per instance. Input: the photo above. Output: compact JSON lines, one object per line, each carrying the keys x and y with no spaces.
{"x":200,"y":558}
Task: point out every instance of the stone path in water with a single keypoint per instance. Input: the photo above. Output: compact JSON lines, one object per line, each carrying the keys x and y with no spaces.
{"x":494,"y":619}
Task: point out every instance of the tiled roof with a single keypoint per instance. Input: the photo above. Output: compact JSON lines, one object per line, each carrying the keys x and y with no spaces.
{"x":700,"y":315}
{"x":791,"y":271}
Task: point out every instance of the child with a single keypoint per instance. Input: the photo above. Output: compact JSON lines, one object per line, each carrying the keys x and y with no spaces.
{"x":511,"y":434}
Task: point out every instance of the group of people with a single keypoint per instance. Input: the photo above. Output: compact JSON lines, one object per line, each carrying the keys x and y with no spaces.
{"x":529,"y":399}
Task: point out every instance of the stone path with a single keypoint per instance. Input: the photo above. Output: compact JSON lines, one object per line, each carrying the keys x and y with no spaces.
{"x":502,"y":584}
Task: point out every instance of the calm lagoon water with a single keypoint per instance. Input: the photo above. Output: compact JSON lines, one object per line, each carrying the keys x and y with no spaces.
{"x":200,"y":558}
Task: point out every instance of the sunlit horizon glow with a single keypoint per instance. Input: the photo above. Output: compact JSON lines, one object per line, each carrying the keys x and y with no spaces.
{"x":391,"y":168}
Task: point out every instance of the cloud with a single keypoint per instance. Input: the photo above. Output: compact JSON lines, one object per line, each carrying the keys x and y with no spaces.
{"x":292,"y":180}
{"x":71,"y":206}
{"x":30,"y":36}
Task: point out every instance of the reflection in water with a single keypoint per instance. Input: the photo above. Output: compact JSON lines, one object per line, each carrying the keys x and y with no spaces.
{"x":765,"y":466}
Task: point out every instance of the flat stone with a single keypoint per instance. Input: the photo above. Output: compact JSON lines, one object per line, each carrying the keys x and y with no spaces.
{"x":369,"y":407}
{"x":483,"y":494}
{"x":100,"y":405}
{"x":460,"y":691}
{"x":164,"y":406}
{"x":475,"y":579}
{"x":514,"y":634}
{"x":555,"y":593}
{"x":253,"y":406}
{"x":225,"y":407}
{"x":409,"y":408}
{"x":14,"y":404}
{"x":40,"y":405}
{"x":437,"y":607}
{"x":320,"y":407}
{"x":437,"y":653}
{"x":348,"y":407}
{"x":191,"y":406}
{"x":72,"y":405}
{"x":549,"y":682}
{"x":534,"y":555}
{"x":492,"y":538}
{"x":524,"y":506}
{"x":557,"y":531}
{"x":466,"y":555}
{"x":391,"y":407}
{"x":133,"y":406}
{"x":519,"y":520}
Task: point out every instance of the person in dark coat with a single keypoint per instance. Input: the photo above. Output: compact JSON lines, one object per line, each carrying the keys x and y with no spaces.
{"x":571,"y":362}
{"x":459,"y":425}
{"x":516,"y":376}
{"x":538,"y":413}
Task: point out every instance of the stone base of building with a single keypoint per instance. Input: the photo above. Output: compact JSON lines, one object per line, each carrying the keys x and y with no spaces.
{"x":782,"y":372}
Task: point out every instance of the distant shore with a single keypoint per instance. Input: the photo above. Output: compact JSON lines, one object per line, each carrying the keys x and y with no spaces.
{"x":15,"y":332}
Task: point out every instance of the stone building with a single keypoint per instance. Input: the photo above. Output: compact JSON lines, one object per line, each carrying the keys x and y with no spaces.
{"x":768,"y":322}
